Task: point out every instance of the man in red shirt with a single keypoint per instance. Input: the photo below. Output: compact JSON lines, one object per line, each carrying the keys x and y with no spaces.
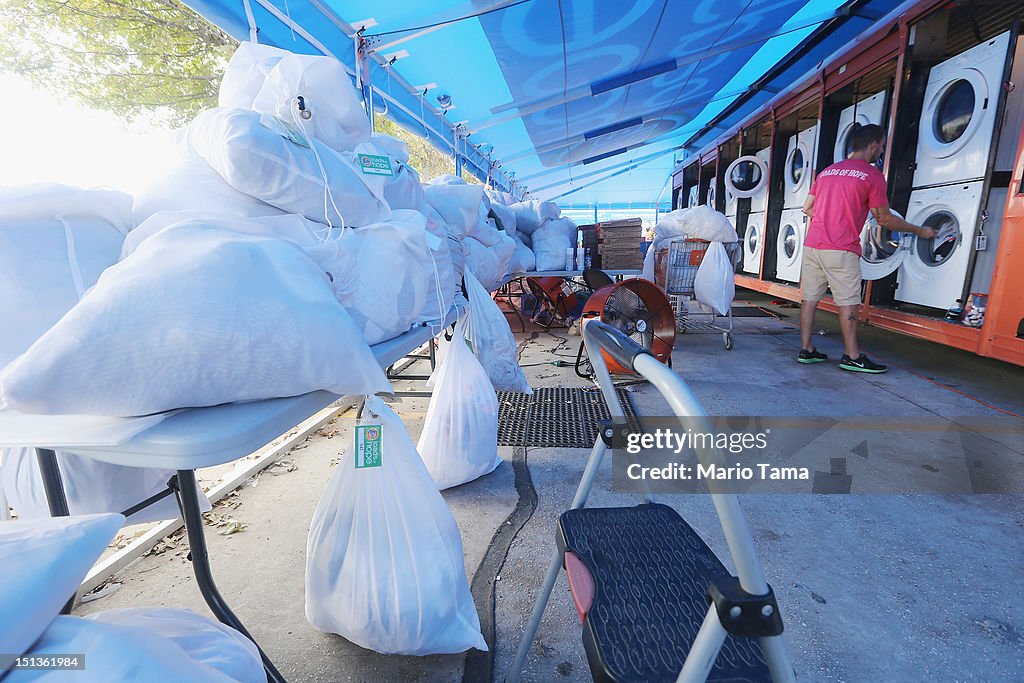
{"x":838,"y":205}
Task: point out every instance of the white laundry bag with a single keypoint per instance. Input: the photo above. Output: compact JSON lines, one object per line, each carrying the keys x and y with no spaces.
{"x":196,"y":316}
{"x":204,"y":640}
{"x":55,"y":241}
{"x":384,"y":563}
{"x":272,"y":160}
{"x":195,"y":186}
{"x":551,"y":240}
{"x":493,"y":342}
{"x":531,"y":214}
{"x":44,"y":561}
{"x":698,"y":222}
{"x":715,"y":284}
{"x":391,"y":146}
{"x":382,"y":274}
{"x":246,"y":72}
{"x":90,"y":487}
{"x":458,"y":204}
{"x":330,"y":110}
{"x":115,"y":652}
{"x":459,"y":441}
{"x":505,"y":218}
{"x":523,"y":258}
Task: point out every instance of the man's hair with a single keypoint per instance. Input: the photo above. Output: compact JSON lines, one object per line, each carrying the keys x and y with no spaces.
{"x":865,"y":135}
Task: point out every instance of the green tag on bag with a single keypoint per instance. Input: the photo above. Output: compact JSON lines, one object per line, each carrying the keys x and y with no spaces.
{"x":373,"y":164}
{"x":369,"y":445}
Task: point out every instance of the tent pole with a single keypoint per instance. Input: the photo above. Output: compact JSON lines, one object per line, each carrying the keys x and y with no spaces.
{"x":363,"y":82}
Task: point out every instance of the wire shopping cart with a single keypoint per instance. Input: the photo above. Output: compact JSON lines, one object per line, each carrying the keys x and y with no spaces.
{"x":675,"y":269}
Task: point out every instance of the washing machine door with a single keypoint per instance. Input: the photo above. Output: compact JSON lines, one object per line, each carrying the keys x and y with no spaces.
{"x":789,"y":243}
{"x":798,"y":168}
{"x":752,"y":240}
{"x":844,"y":142}
{"x":711,"y":195}
{"x":746,"y":176}
{"x":928,"y":254}
{"x":882,"y":251}
{"x":954,"y":114}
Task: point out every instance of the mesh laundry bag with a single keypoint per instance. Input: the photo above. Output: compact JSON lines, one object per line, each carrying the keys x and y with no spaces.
{"x":384,"y":564}
{"x":493,"y":342}
{"x":196,"y":316}
{"x":459,"y":441}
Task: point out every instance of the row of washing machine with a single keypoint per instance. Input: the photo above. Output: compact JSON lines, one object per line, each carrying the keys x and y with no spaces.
{"x":954,"y":142}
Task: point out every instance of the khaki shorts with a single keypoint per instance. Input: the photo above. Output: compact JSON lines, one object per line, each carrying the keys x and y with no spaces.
{"x":833,"y":269}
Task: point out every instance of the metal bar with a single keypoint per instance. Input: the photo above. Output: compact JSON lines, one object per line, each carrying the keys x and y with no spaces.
{"x":188,"y":500}
{"x":706,"y":646}
{"x":155,"y":498}
{"x":56,"y":500}
{"x":515,"y":669}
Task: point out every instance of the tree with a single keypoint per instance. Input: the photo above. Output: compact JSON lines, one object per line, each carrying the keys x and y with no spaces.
{"x":141,"y":58}
{"x":146,"y":59}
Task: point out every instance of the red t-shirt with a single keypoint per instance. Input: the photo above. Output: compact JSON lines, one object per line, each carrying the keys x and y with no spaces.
{"x":843,"y":195}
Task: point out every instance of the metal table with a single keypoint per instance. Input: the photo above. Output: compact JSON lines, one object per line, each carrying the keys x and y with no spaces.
{"x":202,"y":437}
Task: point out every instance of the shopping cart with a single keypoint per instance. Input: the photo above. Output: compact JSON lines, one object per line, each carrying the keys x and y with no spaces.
{"x":656,"y":604}
{"x":675,"y":269}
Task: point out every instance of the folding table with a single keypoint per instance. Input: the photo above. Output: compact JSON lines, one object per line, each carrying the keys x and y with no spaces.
{"x":202,"y":437}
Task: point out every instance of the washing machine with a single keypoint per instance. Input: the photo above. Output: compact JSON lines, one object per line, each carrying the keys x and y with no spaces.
{"x":959,"y":114}
{"x":730,"y":204}
{"x":933,"y":271}
{"x":759,"y":199}
{"x":692,"y":201}
{"x":753,"y":243}
{"x":870,"y":110}
{"x":711,"y":194}
{"x":790,"y":246}
{"x":799,"y":169}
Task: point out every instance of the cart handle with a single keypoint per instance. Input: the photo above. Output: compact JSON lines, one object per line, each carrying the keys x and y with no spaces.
{"x":624,"y":350}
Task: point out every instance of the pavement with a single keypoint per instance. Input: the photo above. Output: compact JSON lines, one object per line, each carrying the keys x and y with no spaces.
{"x":872,"y":587}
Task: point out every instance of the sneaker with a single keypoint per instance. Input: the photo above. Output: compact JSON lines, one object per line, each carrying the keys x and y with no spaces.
{"x":812,"y":356}
{"x":862,"y":364}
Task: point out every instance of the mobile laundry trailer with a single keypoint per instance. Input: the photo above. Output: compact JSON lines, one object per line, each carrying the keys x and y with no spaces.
{"x":943,"y":79}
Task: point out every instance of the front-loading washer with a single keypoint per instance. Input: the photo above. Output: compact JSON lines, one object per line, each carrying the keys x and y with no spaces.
{"x":870,"y":110}
{"x":789,"y":251}
{"x":799,"y":167}
{"x":934,"y":270}
{"x":753,"y":243}
{"x":959,"y":115}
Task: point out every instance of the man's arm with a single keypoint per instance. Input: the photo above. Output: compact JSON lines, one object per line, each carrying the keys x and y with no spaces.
{"x":890,"y":221}
{"x":809,"y":206}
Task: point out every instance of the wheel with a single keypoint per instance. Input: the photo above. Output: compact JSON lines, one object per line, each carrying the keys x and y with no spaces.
{"x":727,"y":340}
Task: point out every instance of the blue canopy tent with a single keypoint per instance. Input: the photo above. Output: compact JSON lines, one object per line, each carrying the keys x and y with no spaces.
{"x":573,"y":101}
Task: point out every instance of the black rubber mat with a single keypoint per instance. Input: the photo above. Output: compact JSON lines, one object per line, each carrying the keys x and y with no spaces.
{"x":651,"y":572}
{"x":554,"y":417}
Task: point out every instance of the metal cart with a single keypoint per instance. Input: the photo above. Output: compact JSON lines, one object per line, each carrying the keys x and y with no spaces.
{"x":675,"y":269}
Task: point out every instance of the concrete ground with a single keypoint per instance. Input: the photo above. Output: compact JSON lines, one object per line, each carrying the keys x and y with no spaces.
{"x":871,"y":587}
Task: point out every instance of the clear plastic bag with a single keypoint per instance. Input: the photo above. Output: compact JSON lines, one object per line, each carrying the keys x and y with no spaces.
{"x":459,"y":441}
{"x":493,"y":343}
{"x":384,"y":563}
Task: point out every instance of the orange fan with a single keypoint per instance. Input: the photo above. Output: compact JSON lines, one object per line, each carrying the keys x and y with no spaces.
{"x":641,"y":311}
{"x":555,"y":295}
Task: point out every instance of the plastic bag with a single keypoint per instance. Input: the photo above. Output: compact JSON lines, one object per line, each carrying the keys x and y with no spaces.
{"x":274,"y":162}
{"x":44,"y":561}
{"x":493,"y":342}
{"x":91,"y":486}
{"x":714,"y":284}
{"x":459,"y":441}
{"x":384,"y":563}
{"x":551,"y":240}
{"x":196,"y":316}
{"x":204,"y":640}
{"x":504,"y":217}
{"x":523,"y":258}
{"x":490,"y":265}
{"x":330,"y":109}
